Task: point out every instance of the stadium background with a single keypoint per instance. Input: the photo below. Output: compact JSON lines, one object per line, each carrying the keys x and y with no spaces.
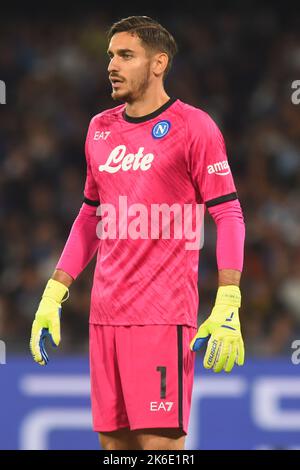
{"x":237,"y":63}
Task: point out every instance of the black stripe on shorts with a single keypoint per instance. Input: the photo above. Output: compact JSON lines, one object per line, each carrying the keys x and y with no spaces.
{"x":180,"y":378}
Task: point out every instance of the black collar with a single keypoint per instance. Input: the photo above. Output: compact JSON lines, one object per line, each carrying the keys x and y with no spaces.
{"x":152,"y":115}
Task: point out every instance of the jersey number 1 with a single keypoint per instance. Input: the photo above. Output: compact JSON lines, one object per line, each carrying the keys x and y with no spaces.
{"x":163,"y":381}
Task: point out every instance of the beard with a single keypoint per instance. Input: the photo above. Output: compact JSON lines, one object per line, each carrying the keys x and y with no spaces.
{"x":137,"y":89}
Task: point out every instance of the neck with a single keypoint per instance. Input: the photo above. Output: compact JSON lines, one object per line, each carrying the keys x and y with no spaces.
{"x":147,"y":103}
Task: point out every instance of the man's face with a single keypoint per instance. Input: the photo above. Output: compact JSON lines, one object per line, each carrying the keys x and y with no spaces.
{"x":129,"y":67}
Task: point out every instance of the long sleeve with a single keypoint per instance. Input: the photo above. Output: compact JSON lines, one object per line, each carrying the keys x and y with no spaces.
{"x":230,"y":224}
{"x":82,"y":242}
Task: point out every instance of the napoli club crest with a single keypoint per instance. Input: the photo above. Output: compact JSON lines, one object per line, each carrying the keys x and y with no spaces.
{"x":161,"y":129}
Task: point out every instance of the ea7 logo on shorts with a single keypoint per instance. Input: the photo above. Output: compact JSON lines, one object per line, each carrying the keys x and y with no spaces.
{"x":101,"y":135}
{"x":219,"y":168}
{"x":156,"y":406}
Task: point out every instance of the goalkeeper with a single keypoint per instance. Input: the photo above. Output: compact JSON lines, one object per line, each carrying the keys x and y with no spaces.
{"x":153,"y":149}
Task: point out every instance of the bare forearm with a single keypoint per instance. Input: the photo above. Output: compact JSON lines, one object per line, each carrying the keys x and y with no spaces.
{"x":63,"y":277}
{"x":229,"y":277}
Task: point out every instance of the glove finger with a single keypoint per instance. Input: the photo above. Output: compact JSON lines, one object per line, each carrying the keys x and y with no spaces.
{"x":231,"y":357}
{"x":240,"y":357}
{"x":223,"y":354}
{"x":200,"y":338}
{"x":44,"y":335}
{"x":54,"y":328}
{"x":199,"y":342}
{"x":36,"y":333}
{"x":212,"y":352}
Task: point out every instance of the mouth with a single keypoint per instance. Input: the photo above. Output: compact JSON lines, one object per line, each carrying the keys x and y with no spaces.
{"x":116,"y":82}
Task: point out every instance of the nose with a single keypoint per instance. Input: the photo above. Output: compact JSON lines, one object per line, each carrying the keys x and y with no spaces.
{"x":113,"y":65}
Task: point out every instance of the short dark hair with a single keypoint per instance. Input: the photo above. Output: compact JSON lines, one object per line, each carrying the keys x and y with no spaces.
{"x":152,"y":34}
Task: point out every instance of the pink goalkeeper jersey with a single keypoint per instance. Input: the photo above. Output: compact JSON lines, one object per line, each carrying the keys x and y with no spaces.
{"x":175,"y":155}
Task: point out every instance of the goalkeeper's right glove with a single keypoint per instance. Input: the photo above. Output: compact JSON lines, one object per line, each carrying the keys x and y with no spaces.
{"x":47,"y":320}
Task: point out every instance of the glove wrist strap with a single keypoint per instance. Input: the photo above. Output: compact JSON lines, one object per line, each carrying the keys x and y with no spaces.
{"x":229,"y":295}
{"x":55,"y":290}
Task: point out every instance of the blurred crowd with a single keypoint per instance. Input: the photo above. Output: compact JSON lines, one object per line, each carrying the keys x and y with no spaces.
{"x":238,"y":66}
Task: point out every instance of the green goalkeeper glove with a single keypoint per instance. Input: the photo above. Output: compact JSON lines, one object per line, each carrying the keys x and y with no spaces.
{"x":47,"y":320}
{"x":222,"y":329}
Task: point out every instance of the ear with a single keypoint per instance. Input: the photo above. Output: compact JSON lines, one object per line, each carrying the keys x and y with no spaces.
{"x":159,"y":63}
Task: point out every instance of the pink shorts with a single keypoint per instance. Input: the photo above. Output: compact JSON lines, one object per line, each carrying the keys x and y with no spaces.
{"x":141,"y":376}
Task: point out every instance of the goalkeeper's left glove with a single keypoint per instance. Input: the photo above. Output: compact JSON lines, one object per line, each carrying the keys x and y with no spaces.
{"x":222,"y":329}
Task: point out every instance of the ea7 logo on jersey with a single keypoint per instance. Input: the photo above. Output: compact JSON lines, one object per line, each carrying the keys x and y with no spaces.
{"x":156,"y":406}
{"x":219,"y":168}
{"x":101,"y":135}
